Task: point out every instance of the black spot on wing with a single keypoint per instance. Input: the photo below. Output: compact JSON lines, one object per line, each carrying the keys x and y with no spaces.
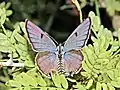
{"x":41,"y":36}
{"x":76,"y":34}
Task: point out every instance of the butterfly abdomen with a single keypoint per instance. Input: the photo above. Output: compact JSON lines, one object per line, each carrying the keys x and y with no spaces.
{"x":60,"y":67}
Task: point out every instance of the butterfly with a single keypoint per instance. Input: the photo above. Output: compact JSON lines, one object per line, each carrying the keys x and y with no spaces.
{"x":65,"y":58}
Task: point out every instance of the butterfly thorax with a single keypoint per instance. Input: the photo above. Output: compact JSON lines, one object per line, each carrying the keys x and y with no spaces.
{"x":59,"y":54}
{"x":59,"y":51}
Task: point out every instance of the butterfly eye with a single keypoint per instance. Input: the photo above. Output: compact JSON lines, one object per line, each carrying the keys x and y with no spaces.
{"x":61,"y":48}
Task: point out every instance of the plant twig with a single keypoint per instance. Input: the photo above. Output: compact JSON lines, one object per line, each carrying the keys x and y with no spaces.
{"x":11,"y":63}
{"x":97,"y":8}
{"x":79,"y":9}
{"x":51,"y":17}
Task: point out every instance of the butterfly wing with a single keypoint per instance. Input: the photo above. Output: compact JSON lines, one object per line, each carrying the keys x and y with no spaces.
{"x":72,"y":61}
{"x":79,"y":36}
{"x":42,"y":43}
{"x":72,"y":57}
{"x":46,"y":62}
{"x":39,"y":40}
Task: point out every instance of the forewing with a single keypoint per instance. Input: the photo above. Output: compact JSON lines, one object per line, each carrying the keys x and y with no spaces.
{"x":46,"y":62}
{"x":72,"y":61}
{"x":79,"y":36}
{"x":39,"y":40}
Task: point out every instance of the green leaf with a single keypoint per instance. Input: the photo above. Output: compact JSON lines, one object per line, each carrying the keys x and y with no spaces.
{"x":32,"y":81}
{"x":102,"y":60}
{"x":85,"y":67}
{"x":28,"y":63}
{"x":89,"y":84}
{"x":41,"y":81}
{"x":110,"y":86}
{"x":13,"y":83}
{"x":98,"y":86}
{"x":2,"y":5}
{"x":118,"y":65}
{"x":104,"y":86}
{"x":27,"y":88}
{"x":14,"y":89}
{"x":6,"y":49}
{"x":2,"y":36}
{"x":2,"y":16}
{"x":5,"y":43}
{"x":111,"y":74}
{"x":89,"y":55}
{"x":97,"y":66}
{"x":9,"y":12}
{"x":115,"y":84}
{"x":96,"y":47}
{"x":22,"y":25}
{"x":96,"y":23}
{"x":22,"y":49}
{"x":8,"y":5}
{"x":71,"y":80}
{"x":89,"y":60}
{"x":91,"y":14}
{"x":8,"y":33}
{"x":102,"y":42}
{"x":85,"y":74}
{"x":56,"y":79}
{"x":43,"y":88}
{"x":112,"y":63}
{"x":80,"y":87}
{"x":64,"y":82}
{"x":12,"y":39}
{"x":112,"y":6}
{"x":20,"y":38}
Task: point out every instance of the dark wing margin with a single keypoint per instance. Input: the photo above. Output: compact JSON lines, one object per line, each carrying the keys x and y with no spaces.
{"x":79,"y":37}
{"x":38,"y":39}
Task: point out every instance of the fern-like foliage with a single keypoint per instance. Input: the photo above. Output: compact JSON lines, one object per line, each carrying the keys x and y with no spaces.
{"x":101,"y":64}
{"x":12,"y":41}
{"x":32,"y":80}
{"x":102,"y":59}
{"x":112,"y":6}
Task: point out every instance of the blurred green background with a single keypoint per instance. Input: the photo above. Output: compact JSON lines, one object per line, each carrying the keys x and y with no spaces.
{"x":59,"y":18}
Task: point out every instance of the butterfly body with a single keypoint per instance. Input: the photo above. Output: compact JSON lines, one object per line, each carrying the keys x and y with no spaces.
{"x":59,"y":54}
{"x":65,"y":58}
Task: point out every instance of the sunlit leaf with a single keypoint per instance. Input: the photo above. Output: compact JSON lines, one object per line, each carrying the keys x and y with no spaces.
{"x":64,"y":82}
{"x":9,"y":12}
{"x":89,"y":84}
{"x":104,"y":86}
{"x":98,"y":86}
{"x":110,"y":86}
{"x":56,"y":79}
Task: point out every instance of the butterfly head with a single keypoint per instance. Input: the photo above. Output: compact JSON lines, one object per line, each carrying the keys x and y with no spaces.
{"x":59,"y":49}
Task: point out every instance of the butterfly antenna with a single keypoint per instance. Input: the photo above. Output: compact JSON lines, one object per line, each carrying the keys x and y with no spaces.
{"x":52,"y":38}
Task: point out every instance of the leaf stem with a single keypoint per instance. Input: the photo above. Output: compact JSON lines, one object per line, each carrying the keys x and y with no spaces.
{"x":49,"y":22}
{"x":115,"y":53}
{"x":97,"y":8}
{"x":51,"y":17}
{"x":79,"y":9}
{"x":94,"y":32}
{"x":11,"y":63}
{"x":4,"y":29}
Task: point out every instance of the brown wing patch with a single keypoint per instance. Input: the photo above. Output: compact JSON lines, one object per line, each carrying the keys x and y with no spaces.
{"x":72,"y":61}
{"x":46,"y":62}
